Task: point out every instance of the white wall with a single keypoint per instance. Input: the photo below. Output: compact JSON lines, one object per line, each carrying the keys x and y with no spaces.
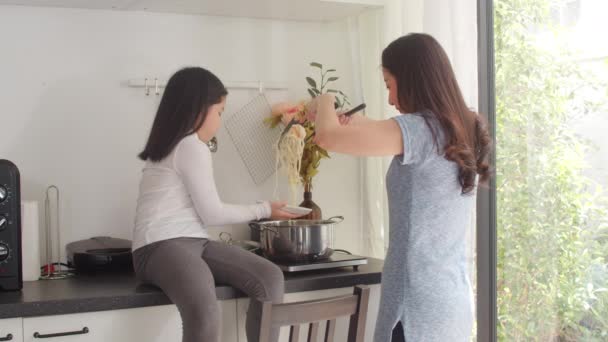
{"x":68,"y":119}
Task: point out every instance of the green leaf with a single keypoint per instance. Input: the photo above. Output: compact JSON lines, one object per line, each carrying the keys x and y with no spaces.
{"x":332,"y":91}
{"x":310,"y":168}
{"x":323,"y":152}
{"x":316,"y":91}
{"x":311,"y":82}
{"x":273,"y":121}
{"x":330,"y":70}
{"x":316,"y":65}
{"x":331,"y":79}
{"x":312,"y":93}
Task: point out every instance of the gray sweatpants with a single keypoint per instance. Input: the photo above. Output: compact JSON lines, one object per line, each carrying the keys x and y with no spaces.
{"x":186,"y":269}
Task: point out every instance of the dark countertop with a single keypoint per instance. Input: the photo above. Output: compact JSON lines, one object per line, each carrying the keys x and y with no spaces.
{"x":122,"y":291}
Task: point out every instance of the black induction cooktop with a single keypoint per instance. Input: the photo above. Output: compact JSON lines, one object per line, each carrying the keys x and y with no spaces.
{"x":334,"y":261}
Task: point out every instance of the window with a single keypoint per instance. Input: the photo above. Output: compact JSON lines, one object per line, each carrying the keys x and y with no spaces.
{"x":551,"y":76}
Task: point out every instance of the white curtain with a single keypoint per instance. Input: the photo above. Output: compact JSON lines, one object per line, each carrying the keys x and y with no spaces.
{"x":454,"y":24}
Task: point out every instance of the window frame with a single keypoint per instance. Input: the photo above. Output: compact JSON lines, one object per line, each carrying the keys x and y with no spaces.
{"x":487,"y":310}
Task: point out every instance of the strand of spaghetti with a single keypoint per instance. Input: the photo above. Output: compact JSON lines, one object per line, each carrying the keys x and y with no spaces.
{"x":289,"y":158}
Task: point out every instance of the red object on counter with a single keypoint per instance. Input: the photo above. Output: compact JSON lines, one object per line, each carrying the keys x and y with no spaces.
{"x":48,"y":269}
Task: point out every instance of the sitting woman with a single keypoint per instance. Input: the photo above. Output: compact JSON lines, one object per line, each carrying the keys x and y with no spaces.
{"x":178,"y":199}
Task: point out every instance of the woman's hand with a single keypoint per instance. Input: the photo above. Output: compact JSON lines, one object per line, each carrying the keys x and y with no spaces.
{"x":327,"y":99}
{"x":278,"y":214}
{"x":344,"y":120}
{"x":312,"y":107}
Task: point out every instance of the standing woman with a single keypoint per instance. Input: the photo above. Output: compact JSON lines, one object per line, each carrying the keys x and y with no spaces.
{"x":440,"y":147}
{"x":178,"y":200}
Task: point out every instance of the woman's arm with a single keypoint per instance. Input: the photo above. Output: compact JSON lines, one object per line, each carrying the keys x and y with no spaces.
{"x":355,"y":119}
{"x":194,"y":165}
{"x":365,"y":138}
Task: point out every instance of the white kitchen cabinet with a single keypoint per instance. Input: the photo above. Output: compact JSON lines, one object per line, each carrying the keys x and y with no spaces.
{"x":341,"y":323}
{"x":149,"y":324}
{"x":116,"y":325}
{"x":11,"y":329}
{"x":163,"y":323}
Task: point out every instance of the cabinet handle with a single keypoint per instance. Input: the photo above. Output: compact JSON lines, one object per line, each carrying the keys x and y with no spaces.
{"x":84,"y":330}
{"x":8,"y":337}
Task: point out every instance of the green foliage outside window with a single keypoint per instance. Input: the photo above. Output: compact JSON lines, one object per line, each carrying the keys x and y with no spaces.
{"x":552,"y":220}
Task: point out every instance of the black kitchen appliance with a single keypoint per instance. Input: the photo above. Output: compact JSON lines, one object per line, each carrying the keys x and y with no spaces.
{"x":336,"y":260}
{"x":101,"y":253}
{"x":11,"y":272}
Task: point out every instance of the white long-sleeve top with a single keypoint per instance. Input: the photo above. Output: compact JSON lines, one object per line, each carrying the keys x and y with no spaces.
{"x":178,"y":197}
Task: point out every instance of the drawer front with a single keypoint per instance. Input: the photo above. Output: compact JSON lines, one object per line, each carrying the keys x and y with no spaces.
{"x":157,"y":323}
{"x":149,"y":324}
{"x":154,"y":324}
{"x":86,"y":327}
{"x":11,"y":329}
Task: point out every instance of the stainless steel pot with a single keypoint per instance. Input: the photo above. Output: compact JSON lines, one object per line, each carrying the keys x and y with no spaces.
{"x":297,"y":240}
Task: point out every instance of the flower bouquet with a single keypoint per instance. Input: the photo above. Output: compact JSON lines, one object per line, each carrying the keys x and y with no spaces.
{"x":302,"y":133}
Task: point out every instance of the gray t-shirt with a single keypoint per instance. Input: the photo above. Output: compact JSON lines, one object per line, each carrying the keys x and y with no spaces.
{"x":425,"y":283}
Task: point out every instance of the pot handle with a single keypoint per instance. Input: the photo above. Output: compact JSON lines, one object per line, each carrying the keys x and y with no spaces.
{"x":255,"y":226}
{"x":226,"y":238}
{"x":249,"y":243}
{"x":259,"y":227}
{"x":335,"y":219}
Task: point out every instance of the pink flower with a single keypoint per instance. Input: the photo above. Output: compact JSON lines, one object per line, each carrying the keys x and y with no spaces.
{"x":280,"y":108}
{"x":289,"y":112}
{"x":287,"y":117}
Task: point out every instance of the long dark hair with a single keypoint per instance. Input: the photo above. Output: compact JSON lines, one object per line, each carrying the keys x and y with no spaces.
{"x":182,"y":110}
{"x":426,"y":84}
